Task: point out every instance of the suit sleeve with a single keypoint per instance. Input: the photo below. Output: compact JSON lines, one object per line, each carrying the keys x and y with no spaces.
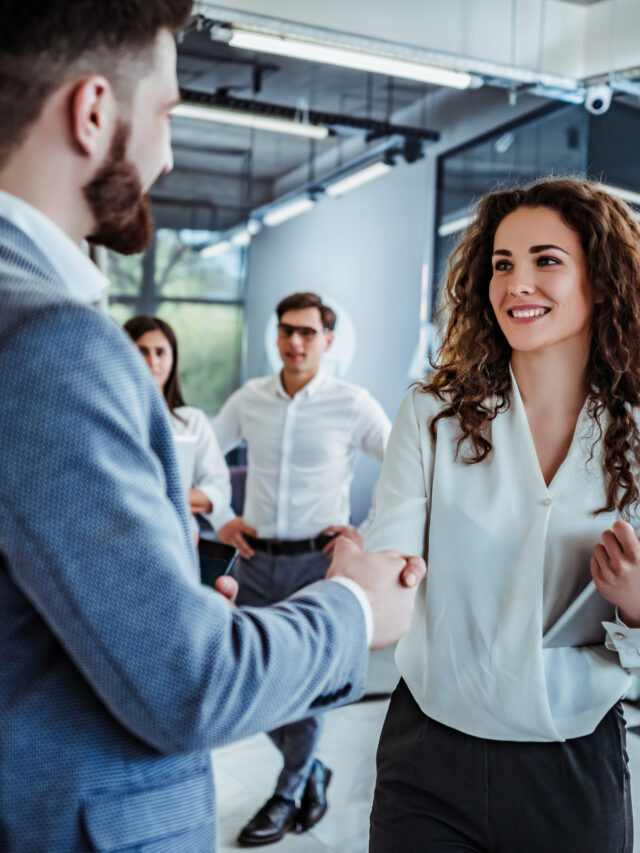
{"x":91,"y":539}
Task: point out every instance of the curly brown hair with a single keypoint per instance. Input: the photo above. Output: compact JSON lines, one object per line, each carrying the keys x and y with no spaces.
{"x":471,"y":373}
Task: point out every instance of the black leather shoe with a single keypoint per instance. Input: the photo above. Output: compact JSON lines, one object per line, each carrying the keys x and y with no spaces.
{"x":314,"y":800}
{"x":276,"y":817}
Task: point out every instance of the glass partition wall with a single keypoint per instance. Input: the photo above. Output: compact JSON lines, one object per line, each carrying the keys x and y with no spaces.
{"x":559,"y":140}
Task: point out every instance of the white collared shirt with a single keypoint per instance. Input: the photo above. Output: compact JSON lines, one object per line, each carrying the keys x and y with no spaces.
{"x":506,"y":555}
{"x":301,"y":451}
{"x":82,"y":278}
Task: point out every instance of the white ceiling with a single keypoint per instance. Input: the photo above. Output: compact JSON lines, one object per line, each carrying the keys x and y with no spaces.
{"x":224,"y":172}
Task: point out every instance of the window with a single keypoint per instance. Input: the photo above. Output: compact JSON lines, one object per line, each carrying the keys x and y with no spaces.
{"x":201,"y":298}
{"x":555,"y":142}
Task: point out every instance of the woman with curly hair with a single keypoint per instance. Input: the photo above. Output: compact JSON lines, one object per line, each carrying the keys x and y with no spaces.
{"x":514,"y":468}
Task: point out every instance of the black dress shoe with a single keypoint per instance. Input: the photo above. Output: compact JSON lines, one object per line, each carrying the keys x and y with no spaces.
{"x":314,"y":800}
{"x":276,"y":817}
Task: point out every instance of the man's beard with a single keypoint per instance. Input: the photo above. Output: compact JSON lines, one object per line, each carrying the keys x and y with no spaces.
{"x":120,"y":209}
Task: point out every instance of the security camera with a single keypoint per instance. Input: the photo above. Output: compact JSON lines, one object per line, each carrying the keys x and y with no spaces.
{"x":598,"y":99}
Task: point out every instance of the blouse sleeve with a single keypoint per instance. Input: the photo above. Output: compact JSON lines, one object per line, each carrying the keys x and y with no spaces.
{"x":401,"y":499}
{"x":210,"y":472}
{"x":626,"y":642}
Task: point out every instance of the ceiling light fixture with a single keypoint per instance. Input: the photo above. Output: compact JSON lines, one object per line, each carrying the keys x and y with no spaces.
{"x":215,"y":249}
{"x":349,"y":58}
{"x":287,"y":211}
{"x":629,"y":196}
{"x":356,"y":179}
{"x":241,"y":238}
{"x":243,"y":119}
{"x":454,"y":225}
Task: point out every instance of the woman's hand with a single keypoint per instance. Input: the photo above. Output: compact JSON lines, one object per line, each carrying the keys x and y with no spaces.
{"x":615,"y":568}
{"x":198,"y":502}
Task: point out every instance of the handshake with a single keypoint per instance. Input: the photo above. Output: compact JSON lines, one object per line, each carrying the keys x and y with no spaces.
{"x":388,"y":579}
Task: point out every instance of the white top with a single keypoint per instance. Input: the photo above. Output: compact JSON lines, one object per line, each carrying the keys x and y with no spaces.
{"x":505,"y":556}
{"x":81,"y":276}
{"x":210,"y":472}
{"x":301,"y":451}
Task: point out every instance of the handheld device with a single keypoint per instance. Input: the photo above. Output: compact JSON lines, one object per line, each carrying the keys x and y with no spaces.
{"x":216,"y":559}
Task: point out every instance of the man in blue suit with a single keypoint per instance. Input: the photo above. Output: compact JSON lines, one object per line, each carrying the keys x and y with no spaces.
{"x":119,"y":671}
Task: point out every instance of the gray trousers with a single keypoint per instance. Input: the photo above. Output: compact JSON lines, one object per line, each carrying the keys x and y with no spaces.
{"x":266,"y":580}
{"x":441,"y":791}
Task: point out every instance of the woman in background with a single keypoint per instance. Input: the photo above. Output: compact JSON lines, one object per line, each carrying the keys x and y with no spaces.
{"x":210,"y":492}
{"x":516,"y":468}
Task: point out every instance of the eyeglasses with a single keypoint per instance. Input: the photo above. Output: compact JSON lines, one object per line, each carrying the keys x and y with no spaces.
{"x":305,"y":332}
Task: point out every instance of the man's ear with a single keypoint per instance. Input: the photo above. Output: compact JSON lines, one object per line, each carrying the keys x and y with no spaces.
{"x":329,"y":340}
{"x":92,"y":115}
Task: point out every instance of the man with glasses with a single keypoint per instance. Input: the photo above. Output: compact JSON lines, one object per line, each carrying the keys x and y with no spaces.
{"x":303,"y":429}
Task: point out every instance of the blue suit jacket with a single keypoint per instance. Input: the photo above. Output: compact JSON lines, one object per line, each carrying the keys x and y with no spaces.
{"x":118,"y":670}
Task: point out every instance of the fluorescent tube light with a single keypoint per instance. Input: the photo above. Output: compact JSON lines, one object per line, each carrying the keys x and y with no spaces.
{"x":355,"y":179}
{"x":629,"y":196}
{"x":287,"y":211}
{"x":453,"y":226}
{"x":215,"y":249}
{"x":240,"y":238}
{"x":348,"y":58}
{"x":238,"y":117}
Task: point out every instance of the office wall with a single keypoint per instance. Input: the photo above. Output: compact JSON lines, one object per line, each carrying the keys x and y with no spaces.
{"x":367,"y":250}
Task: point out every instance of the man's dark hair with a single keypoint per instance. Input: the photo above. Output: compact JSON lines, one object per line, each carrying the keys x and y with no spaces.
{"x":307,"y":300}
{"x":138,"y":326}
{"x":45,"y":45}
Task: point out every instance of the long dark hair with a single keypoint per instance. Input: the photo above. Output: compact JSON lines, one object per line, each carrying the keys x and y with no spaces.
{"x":138,"y":326}
{"x":472,"y":371}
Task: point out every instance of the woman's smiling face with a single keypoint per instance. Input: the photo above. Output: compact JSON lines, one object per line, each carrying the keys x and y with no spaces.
{"x":540,"y":291}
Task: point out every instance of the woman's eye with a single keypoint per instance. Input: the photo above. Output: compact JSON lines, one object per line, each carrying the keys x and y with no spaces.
{"x":547,"y":261}
{"x":501,"y":265}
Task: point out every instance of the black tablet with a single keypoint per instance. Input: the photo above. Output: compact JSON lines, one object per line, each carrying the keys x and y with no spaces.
{"x":216,"y":559}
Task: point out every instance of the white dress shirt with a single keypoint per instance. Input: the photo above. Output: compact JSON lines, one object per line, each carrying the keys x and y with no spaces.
{"x":210,"y":472}
{"x":505,"y":556}
{"x":302,"y":451}
{"x":82,"y":278}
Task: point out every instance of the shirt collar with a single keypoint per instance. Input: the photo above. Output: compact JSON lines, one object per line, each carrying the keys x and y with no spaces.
{"x":309,"y":389}
{"x":81,"y":277}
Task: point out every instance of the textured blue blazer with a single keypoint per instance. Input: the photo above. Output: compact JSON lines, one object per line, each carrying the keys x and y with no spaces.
{"x":118,"y":670}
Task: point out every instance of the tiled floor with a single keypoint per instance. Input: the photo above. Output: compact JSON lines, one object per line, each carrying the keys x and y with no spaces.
{"x":246,"y":773}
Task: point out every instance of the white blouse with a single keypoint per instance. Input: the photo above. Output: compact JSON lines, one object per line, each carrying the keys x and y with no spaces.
{"x":210,"y":472}
{"x":506,"y":555}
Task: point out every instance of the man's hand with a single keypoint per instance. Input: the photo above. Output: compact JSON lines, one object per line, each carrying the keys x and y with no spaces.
{"x":615,"y":568}
{"x":346,"y":531}
{"x":198,"y":501}
{"x":389,"y":580}
{"x":232,"y":533}
{"x":227,"y":586}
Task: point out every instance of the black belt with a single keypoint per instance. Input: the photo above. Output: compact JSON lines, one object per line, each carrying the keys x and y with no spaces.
{"x":279,"y":547}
